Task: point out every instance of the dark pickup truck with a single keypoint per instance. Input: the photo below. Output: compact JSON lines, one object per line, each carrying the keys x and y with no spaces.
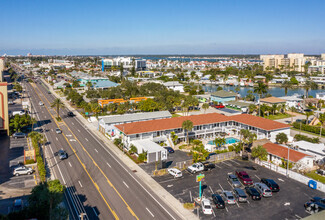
{"x":208,"y":166}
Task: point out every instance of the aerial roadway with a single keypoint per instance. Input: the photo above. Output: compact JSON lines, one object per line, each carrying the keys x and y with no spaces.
{"x":98,"y":184}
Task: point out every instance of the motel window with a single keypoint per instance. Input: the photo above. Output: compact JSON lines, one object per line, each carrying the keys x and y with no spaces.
{"x":137,"y":135}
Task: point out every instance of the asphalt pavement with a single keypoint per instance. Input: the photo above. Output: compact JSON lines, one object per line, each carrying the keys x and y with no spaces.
{"x":107,"y":187}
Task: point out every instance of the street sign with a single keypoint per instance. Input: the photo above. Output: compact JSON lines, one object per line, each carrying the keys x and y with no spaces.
{"x":200,"y":177}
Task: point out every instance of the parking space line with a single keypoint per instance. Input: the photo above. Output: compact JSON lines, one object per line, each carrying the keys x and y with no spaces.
{"x":211,"y":189}
{"x":96,"y":150}
{"x":230,"y":185}
{"x":226,"y":164}
{"x":150,"y":212}
{"x":237,"y":204}
{"x":165,"y":181}
{"x":108,"y":164}
{"x":218,"y":166}
{"x":248,"y":201}
{"x":298,"y":216}
{"x":191,"y":196}
{"x":56,"y":138}
{"x":280,"y":179}
{"x":227,"y":209}
{"x":257,"y":177}
{"x":235,"y":162}
{"x":70,"y":164}
{"x":78,"y":130}
{"x":72,"y":123}
{"x":221,"y":187}
{"x":86,"y":139}
{"x":125,"y":184}
{"x":79,"y":183}
{"x":213,"y":213}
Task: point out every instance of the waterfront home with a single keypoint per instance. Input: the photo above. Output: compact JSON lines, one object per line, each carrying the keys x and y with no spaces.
{"x":223,"y":96}
{"x":318,"y":79}
{"x":272,"y":100}
{"x":240,"y":105}
{"x":293,"y":101}
{"x":277,"y":153}
{"x":301,"y":79}
{"x":260,"y":79}
{"x":320,"y":95}
{"x":174,"y":85}
{"x":204,"y":126}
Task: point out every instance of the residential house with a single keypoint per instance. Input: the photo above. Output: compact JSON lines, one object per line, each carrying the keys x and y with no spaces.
{"x":174,"y":85}
{"x":223,"y":96}
{"x":320,"y":95}
{"x":272,"y":100}
{"x":293,"y":101}
{"x":277,"y":153}
{"x":154,"y":151}
{"x":317,"y":151}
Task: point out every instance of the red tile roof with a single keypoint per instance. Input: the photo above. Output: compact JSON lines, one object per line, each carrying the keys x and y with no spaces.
{"x":258,"y":122}
{"x":174,"y":123}
{"x":282,"y":152}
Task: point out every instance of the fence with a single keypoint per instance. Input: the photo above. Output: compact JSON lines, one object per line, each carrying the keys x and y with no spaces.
{"x":293,"y":175}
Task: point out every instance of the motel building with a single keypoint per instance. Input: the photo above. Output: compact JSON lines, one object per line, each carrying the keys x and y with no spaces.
{"x":205,"y":126}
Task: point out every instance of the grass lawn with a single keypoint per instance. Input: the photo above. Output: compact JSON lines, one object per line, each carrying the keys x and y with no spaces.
{"x":278,"y":116}
{"x":315,"y":176}
{"x":175,"y":115}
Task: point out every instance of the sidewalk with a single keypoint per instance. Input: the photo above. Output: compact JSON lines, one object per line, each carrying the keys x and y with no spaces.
{"x":165,"y":196}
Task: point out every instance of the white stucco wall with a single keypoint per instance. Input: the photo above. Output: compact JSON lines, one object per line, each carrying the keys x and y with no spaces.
{"x":274,"y":133}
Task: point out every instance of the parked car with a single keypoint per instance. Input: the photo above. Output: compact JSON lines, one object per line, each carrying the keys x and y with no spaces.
{"x":196,"y":167}
{"x":263,"y":189}
{"x":174,"y":172}
{"x":22,"y":170}
{"x":320,"y":172}
{"x":10,"y":102}
{"x":228,"y":197}
{"x":21,"y":112}
{"x":62,"y":154}
{"x":208,"y":166}
{"x":169,"y":150}
{"x":70,"y":114}
{"x":19,"y":135}
{"x":17,"y":205}
{"x":253,"y":193}
{"x":316,"y":204}
{"x":41,"y":103}
{"x":206,"y":207}
{"x":218,"y":201}
{"x":244,"y":177}
{"x":219,"y":106}
{"x":240,"y":195}
{"x":233,"y":180}
{"x":271,"y":184}
{"x":58,"y":131}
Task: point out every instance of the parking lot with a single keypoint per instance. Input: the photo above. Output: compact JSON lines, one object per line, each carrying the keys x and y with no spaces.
{"x":286,"y":204}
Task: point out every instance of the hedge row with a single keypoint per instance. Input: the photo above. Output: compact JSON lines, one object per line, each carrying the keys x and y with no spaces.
{"x":308,"y":128}
{"x":300,"y":137}
{"x":39,"y":159}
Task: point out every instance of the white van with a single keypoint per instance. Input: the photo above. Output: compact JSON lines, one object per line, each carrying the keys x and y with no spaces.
{"x":21,"y":112}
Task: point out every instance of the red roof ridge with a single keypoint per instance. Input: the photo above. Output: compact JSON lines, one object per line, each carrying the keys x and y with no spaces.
{"x":282,"y":152}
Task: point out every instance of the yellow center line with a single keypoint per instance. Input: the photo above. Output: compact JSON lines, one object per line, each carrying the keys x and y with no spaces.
{"x":129,"y":208}
{"x":95,"y":184}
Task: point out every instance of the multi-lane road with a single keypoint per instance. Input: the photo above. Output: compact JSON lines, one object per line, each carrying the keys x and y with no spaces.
{"x":98,"y":184}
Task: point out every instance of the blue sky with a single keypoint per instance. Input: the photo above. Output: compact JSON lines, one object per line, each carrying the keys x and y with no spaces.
{"x":162,"y":27}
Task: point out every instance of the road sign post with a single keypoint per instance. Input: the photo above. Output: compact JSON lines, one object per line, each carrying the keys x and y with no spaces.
{"x":199,"y":179}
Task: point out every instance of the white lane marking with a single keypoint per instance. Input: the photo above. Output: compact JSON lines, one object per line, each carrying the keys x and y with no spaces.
{"x":221,"y":187}
{"x":72,"y":140}
{"x":171,"y":185}
{"x":287,"y":203}
{"x":226,"y":164}
{"x":56,"y":138}
{"x":96,"y":150}
{"x":227,"y":209}
{"x":72,"y":123}
{"x":257,"y":177}
{"x":218,"y":166}
{"x":108,"y":164}
{"x":70,"y":164}
{"x":280,"y":179}
{"x":126,"y":170}
{"x":211,"y":189}
{"x":235,"y":162}
{"x":126,"y":184}
{"x":86,"y":139}
{"x":78,"y":130}
{"x":191,"y":196}
{"x":150,"y":212}
{"x":95,"y":212}
{"x":69,"y":135}
{"x":79,"y":183}
{"x":298,"y":216}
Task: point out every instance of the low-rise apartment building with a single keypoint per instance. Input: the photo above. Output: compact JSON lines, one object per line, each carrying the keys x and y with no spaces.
{"x":204,"y":126}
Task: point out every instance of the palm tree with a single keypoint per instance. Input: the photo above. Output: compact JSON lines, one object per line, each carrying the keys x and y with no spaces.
{"x":260,"y":90}
{"x":292,"y":109}
{"x":321,"y":119}
{"x":205,"y":106}
{"x":286,"y":85}
{"x":308,"y":114}
{"x":188,"y":126}
{"x":219,"y":141}
{"x":274,"y":107}
{"x":309,"y":85}
{"x":58,"y":104}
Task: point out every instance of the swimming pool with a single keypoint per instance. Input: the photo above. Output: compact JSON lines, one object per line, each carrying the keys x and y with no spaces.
{"x":229,"y":140}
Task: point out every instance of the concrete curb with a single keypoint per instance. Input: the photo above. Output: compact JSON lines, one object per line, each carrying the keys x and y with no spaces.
{"x":141,"y":175}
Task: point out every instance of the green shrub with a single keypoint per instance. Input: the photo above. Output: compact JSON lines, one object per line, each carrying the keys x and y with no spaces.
{"x":309,"y":128}
{"x":30,"y":161}
{"x":188,"y":205}
{"x":300,"y":137}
